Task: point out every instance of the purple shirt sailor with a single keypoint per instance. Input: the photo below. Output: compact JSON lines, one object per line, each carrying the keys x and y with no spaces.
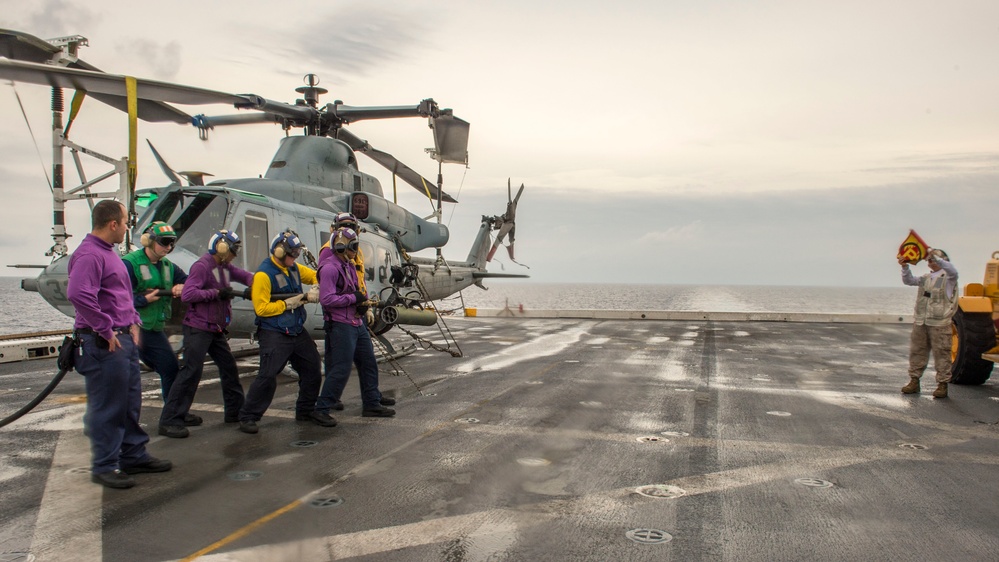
{"x":201,"y":292}
{"x":99,"y":288}
{"x":337,"y":284}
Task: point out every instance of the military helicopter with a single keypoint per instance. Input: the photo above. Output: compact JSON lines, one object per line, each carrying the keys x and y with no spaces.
{"x":312,"y":177}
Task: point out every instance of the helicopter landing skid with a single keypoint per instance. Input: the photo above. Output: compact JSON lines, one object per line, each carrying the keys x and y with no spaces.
{"x":388,"y":352}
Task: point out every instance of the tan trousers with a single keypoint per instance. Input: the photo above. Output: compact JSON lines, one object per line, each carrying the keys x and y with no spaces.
{"x":924,"y":339}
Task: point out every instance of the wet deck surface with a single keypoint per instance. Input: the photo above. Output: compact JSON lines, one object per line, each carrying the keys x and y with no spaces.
{"x":549,"y":440}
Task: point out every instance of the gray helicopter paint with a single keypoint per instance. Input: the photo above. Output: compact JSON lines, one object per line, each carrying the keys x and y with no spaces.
{"x":250,"y":197}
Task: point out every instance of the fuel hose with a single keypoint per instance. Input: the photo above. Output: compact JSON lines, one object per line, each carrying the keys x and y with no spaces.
{"x":36,"y":401}
{"x":62,"y":373}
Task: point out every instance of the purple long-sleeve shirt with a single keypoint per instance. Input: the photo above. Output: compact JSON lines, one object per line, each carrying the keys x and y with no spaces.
{"x":99,"y":288}
{"x":206,"y":311}
{"x":337,"y":284}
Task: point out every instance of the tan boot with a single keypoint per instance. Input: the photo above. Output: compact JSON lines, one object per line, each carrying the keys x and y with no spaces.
{"x":912,"y":387}
{"x":941,"y":391}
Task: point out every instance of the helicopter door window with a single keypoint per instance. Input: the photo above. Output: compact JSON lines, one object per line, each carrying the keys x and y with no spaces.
{"x":377,"y":262}
{"x":256,"y":240}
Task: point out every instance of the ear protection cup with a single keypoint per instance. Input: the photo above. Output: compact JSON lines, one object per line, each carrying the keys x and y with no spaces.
{"x":283,"y":242}
{"x":148,"y":237}
{"x":223,"y":242}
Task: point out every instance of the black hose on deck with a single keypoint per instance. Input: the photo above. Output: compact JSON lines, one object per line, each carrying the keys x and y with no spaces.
{"x":37,"y":400}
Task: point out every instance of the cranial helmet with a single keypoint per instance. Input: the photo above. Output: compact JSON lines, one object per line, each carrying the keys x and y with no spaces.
{"x":344,"y":239}
{"x":345,"y":220}
{"x":286,"y":244}
{"x":158,"y":231}
{"x":223,"y":243}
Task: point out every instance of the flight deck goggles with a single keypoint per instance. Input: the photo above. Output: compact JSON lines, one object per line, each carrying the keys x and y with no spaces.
{"x":345,"y":239}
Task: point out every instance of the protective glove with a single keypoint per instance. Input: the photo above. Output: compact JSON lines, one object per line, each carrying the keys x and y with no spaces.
{"x":359,"y":297}
{"x":291,"y":303}
{"x":313,"y":294}
{"x":226,"y":293}
{"x":369,"y":317}
{"x":247,"y":293}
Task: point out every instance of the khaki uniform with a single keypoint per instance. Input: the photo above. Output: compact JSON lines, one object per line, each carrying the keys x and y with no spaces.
{"x":936,"y":304}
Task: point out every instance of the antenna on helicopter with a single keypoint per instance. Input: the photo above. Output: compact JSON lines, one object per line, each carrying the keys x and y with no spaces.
{"x":310,"y":95}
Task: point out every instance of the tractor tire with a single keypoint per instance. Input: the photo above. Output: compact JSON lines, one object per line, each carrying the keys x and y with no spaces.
{"x":974,"y":334}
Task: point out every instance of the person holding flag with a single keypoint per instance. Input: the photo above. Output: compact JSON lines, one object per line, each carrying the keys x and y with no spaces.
{"x":936,"y":303}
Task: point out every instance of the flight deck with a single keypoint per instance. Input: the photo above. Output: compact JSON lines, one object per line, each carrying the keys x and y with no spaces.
{"x":549,"y":439}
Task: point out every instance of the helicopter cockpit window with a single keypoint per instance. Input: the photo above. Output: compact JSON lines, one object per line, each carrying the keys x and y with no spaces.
{"x":194,"y":216}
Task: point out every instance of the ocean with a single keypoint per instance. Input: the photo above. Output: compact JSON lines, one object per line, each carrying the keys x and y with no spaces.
{"x":23,"y":312}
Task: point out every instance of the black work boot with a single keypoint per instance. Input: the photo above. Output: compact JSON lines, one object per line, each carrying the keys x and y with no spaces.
{"x":113,"y":479}
{"x":379,"y":412}
{"x":319,"y":418}
{"x":174,"y":431}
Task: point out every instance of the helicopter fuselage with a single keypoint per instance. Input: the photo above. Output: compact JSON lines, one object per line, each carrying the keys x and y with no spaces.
{"x":257,"y":209}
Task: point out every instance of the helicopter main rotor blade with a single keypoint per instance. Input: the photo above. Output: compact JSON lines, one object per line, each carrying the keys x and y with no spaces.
{"x":175,"y":179}
{"x":17,"y":45}
{"x":392,"y":164}
{"x":351,"y":114}
{"x":114,"y":85}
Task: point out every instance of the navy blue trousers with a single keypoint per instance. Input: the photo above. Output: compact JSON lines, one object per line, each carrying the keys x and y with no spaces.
{"x":276,"y":350}
{"x":197,"y":344}
{"x":114,"y":400}
{"x":348,"y":345}
{"x":155,"y":350}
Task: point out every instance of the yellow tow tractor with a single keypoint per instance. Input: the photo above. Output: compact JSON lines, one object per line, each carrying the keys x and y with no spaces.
{"x":975,"y":348}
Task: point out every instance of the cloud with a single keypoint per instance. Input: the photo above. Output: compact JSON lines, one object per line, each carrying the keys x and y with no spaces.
{"x":163,"y":60}
{"x":53,"y":18}
{"x":844,"y":237}
{"x":355,"y":40}
{"x":975,"y":162}
{"x":675,"y":234}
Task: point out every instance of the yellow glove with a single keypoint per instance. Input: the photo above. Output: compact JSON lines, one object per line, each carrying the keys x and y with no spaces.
{"x":369,"y":317}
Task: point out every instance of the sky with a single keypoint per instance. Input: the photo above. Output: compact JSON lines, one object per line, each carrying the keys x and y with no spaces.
{"x":678,"y":142}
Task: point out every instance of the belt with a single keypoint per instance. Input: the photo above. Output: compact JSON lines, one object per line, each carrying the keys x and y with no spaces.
{"x":124,"y":330}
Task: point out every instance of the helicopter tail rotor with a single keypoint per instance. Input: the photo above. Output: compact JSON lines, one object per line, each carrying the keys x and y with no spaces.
{"x":506,"y":223}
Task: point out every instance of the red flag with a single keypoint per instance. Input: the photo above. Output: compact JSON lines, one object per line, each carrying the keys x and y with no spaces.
{"x":913,"y":249}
